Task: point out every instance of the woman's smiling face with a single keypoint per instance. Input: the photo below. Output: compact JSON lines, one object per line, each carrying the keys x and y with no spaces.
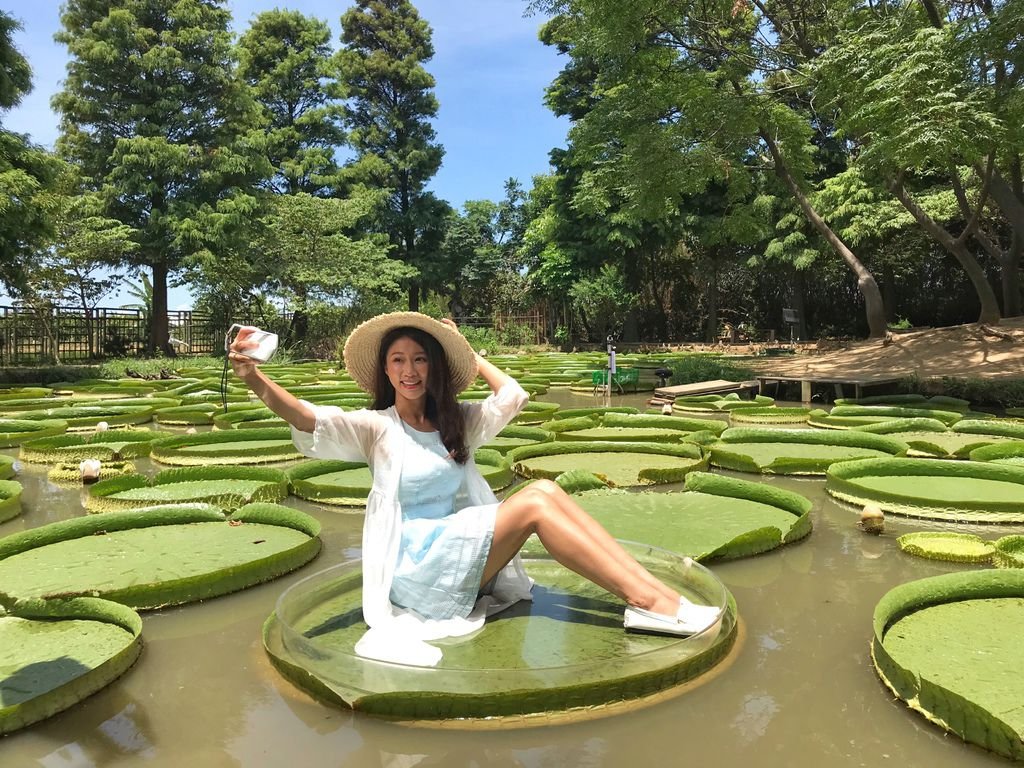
{"x":407,"y":367}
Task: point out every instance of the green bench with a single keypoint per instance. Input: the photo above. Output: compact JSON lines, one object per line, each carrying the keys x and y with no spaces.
{"x":622,"y":378}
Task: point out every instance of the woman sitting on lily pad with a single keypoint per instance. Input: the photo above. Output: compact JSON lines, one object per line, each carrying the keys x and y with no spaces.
{"x":440,"y":553}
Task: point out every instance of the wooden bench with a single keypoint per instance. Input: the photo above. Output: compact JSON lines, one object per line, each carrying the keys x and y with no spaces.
{"x":622,"y":378}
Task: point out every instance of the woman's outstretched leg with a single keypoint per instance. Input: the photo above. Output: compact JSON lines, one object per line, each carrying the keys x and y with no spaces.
{"x":577,"y":543}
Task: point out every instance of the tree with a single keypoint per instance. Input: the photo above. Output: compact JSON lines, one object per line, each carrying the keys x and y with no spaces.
{"x":692,"y":93}
{"x":73,"y":269}
{"x":391,"y":104}
{"x":154,"y":116}
{"x":286,"y":59}
{"x":26,"y":171}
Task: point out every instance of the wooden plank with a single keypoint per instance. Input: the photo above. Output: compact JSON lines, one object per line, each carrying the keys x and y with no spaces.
{"x":699,"y":388}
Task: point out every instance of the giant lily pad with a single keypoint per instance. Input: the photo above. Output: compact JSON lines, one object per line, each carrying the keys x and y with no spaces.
{"x":563,"y":652}
{"x":1008,"y":452}
{"x":796,"y":451}
{"x":939,"y":489}
{"x":619,"y":464}
{"x":348,"y":483}
{"x":228,"y":487}
{"x":158,"y":556}
{"x":947,"y":545}
{"x":10,"y":499}
{"x":847,"y":416}
{"x":110,"y":445}
{"x":253,"y":446}
{"x":716,"y":517}
{"x":54,"y":653}
{"x":928,"y":638}
{"x":930,"y":437}
{"x":16,"y":431}
{"x":516,"y":436}
{"x":632,"y":428}
{"x":770,"y":415}
{"x":80,"y":417}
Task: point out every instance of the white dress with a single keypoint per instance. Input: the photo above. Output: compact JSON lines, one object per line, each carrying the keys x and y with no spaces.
{"x":377,"y":437}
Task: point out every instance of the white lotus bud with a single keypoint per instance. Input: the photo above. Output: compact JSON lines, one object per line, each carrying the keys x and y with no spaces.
{"x":666,"y":409}
{"x":191,"y":431}
{"x":89,"y":469}
{"x":872,"y":519}
{"x":102,"y":426}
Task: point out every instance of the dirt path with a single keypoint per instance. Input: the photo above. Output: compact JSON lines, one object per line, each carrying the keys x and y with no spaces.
{"x":973,"y":350}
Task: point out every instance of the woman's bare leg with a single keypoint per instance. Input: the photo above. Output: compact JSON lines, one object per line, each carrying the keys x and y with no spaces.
{"x":571,"y":541}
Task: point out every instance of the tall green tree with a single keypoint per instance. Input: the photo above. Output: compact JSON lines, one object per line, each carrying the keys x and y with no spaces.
{"x":155,"y":117}
{"x":26,"y":171}
{"x":287,"y":60}
{"x":692,"y":93}
{"x":391,"y":104}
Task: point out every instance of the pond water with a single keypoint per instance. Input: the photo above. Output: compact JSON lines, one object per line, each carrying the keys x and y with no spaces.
{"x":800,"y":689}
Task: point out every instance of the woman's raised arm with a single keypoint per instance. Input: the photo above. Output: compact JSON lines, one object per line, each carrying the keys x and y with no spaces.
{"x":274,"y":396}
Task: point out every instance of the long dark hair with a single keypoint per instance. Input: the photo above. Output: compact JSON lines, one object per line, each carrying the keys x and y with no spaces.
{"x":442,"y":409}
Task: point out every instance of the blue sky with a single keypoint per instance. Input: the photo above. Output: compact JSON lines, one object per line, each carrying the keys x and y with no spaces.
{"x":490,"y":68}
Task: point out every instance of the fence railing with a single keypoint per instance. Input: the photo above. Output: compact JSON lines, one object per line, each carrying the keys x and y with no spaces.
{"x":74,"y":335}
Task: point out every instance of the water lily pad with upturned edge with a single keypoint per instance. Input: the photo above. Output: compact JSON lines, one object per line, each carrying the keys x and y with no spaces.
{"x":796,"y":451}
{"x":15,"y":431}
{"x":927,"y":636}
{"x":54,"y":653}
{"x":251,"y":446}
{"x":159,"y":555}
{"x":947,"y":545}
{"x":10,"y":499}
{"x":228,"y":487}
{"x":619,"y":464}
{"x":110,"y":445}
{"x":938,"y":489}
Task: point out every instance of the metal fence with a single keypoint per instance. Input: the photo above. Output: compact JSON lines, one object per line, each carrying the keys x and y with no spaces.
{"x":73,"y":335}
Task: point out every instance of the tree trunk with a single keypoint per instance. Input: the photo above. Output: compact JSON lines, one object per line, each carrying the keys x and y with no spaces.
{"x":1009,"y":270}
{"x":986,"y":296}
{"x":800,"y":305}
{"x":873,"y":305}
{"x":159,"y":333}
{"x":414,"y":297}
{"x":711,"y":328}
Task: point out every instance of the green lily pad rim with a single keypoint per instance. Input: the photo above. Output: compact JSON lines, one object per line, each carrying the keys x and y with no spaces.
{"x":996,"y":451}
{"x":155,"y":515}
{"x":1009,"y":551}
{"x":276,"y":487}
{"x":950,"y":711}
{"x":73,"y":691}
{"x":167,"y":445}
{"x":10,"y":499}
{"x":942,"y":545}
{"x":44,"y":450}
{"x":841,"y":476}
{"x":16,"y":431}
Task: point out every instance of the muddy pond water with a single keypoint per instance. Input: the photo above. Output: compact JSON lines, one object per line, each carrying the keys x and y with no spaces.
{"x":799,"y":690}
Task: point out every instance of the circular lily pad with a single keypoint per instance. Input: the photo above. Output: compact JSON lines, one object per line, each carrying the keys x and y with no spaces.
{"x":564,"y":651}
{"x":348,"y":483}
{"x":770,"y":415}
{"x":248,"y":418}
{"x":934,"y":488}
{"x":187,"y":415}
{"x":228,"y":487}
{"x":947,"y":545}
{"x":23,"y":393}
{"x":719,"y":403}
{"x":1009,"y":552}
{"x":15,"y":431}
{"x":847,"y":416}
{"x":631,"y":428}
{"x":6,"y":466}
{"x":516,"y":436}
{"x":79,"y":417}
{"x":619,"y":464}
{"x":716,"y":517}
{"x":927,"y":637}
{"x":796,"y":451}
{"x":253,"y":446}
{"x":1008,"y":452}
{"x":535,"y":413}
{"x":158,"y":556}
{"x":110,"y":445}
{"x":10,"y":499}
{"x":54,"y":653}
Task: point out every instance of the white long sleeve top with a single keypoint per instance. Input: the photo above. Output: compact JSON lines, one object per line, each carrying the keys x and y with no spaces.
{"x":396,"y":634}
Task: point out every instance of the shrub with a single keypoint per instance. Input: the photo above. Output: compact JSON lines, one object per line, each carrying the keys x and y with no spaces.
{"x":694,"y":368}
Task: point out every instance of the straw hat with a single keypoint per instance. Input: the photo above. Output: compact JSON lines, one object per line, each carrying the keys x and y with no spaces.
{"x":363,"y":347}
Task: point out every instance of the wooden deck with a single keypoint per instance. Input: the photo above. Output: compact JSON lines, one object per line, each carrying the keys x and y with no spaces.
{"x":807,"y":384}
{"x":716,"y":387}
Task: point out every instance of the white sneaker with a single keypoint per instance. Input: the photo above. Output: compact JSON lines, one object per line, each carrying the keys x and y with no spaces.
{"x":639,"y":620}
{"x":696,"y":618}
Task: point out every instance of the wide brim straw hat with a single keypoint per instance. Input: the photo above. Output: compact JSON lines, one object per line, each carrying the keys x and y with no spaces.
{"x":362,"y":349}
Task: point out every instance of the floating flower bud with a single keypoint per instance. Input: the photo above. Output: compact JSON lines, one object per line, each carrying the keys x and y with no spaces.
{"x":666,"y":409}
{"x":89,"y":469}
{"x":872,"y":519}
{"x":102,"y":426}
